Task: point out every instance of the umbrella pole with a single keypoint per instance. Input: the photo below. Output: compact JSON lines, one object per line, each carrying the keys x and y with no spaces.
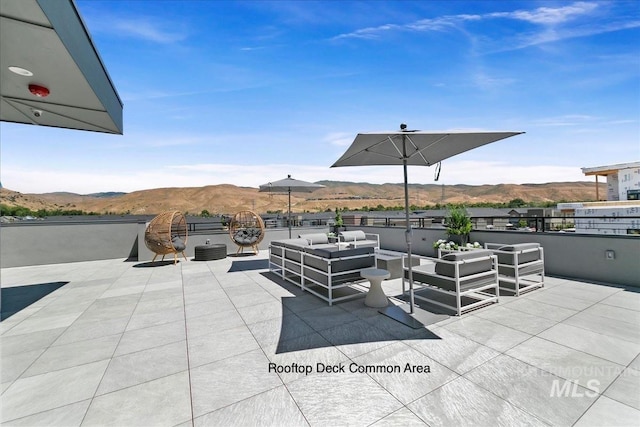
{"x":289,"y":215}
{"x":408,"y":231}
{"x":398,"y":312}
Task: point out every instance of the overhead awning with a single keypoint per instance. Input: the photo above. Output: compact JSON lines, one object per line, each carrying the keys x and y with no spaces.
{"x":46,"y":44}
{"x":610,"y":169}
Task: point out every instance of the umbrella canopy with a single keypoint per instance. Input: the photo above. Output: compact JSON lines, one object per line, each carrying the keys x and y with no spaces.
{"x":289,"y":185}
{"x":414,"y":148}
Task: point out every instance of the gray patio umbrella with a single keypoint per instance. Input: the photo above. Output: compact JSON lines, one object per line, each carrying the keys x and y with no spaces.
{"x":416,"y":148}
{"x":289,"y":185}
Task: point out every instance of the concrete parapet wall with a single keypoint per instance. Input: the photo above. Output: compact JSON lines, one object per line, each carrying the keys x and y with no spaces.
{"x":41,"y":243}
{"x":580,"y":256}
{"x":571,"y":255}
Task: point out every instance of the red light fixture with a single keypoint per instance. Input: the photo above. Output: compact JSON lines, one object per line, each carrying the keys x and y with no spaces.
{"x":39,"y":91}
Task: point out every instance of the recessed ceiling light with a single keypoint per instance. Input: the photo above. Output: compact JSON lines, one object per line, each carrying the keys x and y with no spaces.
{"x":21,"y":71}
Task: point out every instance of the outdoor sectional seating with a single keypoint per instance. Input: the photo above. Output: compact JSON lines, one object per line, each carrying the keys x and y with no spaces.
{"x":461,"y":281}
{"x":322,"y":269}
{"x":520,"y":266}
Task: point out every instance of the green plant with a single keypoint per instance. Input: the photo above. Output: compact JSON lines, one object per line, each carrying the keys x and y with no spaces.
{"x":338,"y":219}
{"x":458,"y":223}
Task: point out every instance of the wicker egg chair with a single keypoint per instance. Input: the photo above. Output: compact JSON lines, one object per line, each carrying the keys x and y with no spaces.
{"x":167,"y":234}
{"x":246,"y":230}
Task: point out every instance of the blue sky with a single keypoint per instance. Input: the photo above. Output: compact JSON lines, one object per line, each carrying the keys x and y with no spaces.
{"x":243,"y":93}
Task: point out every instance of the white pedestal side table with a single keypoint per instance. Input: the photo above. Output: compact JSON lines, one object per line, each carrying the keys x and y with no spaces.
{"x":375,"y":297}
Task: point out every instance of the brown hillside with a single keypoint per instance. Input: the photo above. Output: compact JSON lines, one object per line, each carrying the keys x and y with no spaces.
{"x":229,"y":198}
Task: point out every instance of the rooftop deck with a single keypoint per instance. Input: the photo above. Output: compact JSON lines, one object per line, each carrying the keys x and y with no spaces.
{"x":134,"y":343}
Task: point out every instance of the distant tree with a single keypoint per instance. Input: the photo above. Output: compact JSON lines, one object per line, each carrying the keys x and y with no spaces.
{"x":516,"y":203}
{"x":205,"y":213}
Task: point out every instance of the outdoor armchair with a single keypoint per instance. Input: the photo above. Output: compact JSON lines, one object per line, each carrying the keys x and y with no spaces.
{"x":359,"y":239}
{"x":167,"y":234}
{"x":520,"y":266}
{"x":246,"y":230}
{"x":461,"y":281}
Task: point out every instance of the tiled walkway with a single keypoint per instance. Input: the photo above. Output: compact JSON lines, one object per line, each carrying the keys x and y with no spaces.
{"x":129,"y":344}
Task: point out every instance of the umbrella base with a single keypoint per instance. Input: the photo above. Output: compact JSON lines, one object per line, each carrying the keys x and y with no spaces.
{"x":401,"y":313}
{"x":416,"y":320}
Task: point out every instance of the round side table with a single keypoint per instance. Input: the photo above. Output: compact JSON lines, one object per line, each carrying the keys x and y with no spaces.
{"x":211,"y":252}
{"x":375,"y":296}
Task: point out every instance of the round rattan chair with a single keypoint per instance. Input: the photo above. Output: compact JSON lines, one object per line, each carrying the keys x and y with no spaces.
{"x":167,"y":234}
{"x":246,"y":230}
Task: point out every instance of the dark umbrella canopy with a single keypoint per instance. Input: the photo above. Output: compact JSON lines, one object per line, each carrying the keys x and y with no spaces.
{"x":414,"y":148}
{"x":289,"y":185}
{"x":417,"y":148}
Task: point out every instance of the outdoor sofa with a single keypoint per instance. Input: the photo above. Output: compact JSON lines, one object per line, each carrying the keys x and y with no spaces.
{"x":323,"y":269}
{"x":460,"y":281}
{"x":520,"y":266}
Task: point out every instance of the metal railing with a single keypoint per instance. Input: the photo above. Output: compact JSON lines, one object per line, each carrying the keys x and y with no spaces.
{"x":590,"y":224}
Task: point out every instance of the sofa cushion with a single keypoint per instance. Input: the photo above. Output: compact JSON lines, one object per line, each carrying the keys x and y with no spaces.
{"x":295,"y":243}
{"x":466,"y":264}
{"x":350,"y":236}
{"x":335,"y":252}
{"x":508,"y":258}
{"x":178,"y":244}
{"x":291,"y":243}
{"x":315,"y":238}
{"x":359,"y":258}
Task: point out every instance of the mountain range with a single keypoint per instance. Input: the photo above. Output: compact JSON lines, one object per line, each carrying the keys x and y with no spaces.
{"x":226,"y":198}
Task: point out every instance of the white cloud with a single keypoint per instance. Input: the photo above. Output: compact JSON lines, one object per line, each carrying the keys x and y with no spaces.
{"x":460,"y":172}
{"x":549,"y":15}
{"x":368,"y":33}
{"x":554,"y":24}
{"x":548,"y":35}
{"x":340,"y":139}
{"x":566,"y":120}
{"x":483,"y":80}
{"x":147,"y":30}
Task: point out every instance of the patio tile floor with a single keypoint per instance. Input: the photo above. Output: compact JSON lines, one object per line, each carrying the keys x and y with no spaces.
{"x":128,"y":343}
